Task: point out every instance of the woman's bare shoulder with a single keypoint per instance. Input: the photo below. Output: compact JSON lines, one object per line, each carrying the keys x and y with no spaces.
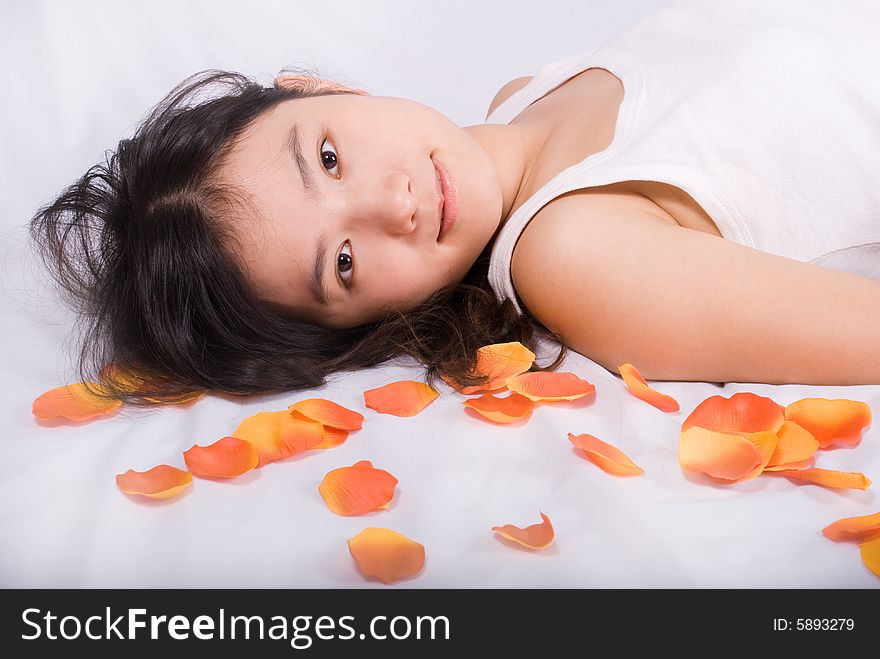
{"x":507,"y":91}
{"x":621,"y":284}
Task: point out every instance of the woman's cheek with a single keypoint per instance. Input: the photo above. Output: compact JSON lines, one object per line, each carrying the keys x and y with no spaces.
{"x":408,"y":281}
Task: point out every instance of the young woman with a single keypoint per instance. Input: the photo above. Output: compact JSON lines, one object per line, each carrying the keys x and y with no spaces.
{"x":698,"y":197}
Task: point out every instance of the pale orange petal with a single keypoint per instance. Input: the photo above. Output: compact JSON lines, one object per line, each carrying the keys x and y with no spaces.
{"x":550,"y":386}
{"x":358,"y":489}
{"x":609,"y":458}
{"x":497,"y":362}
{"x":73,"y":402}
{"x":843,"y":480}
{"x":278,"y":435}
{"x":226,"y":458}
{"x":501,"y":410}
{"x":871,"y":555}
{"x":743,"y":412}
{"x":406,"y":398}
{"x":160,"y":482}
{"x":859,"y":528}
{"x":765,"y":442}
{"x":832,"y":422}
{"x":329,"y":413}
{"x":795,"y":445}
{"x":536,"y":536}
{"x":638,"y":387}
{"x":332,"y":437}
{"x":800,"y":464}
{"x":386,"y":555}
{"x":720,"y":455}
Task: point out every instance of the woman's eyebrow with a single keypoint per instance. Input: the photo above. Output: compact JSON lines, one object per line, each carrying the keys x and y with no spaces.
{"x":316,"y":284}
{"x":294,"y":146}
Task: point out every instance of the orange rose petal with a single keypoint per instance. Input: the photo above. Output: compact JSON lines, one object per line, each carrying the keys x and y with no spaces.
{"x":226,"y":458}
{"x":609,"y":458}
{"x":502,"y":410}
{"x":836,"y":421}
{"x":720,"y":455}
{"x":497,"y":362}
{"x":73,"y":402}
{"x":536,"y":536}
{"x":277,"y":435}
{"x":765,"y":442}
{"x":406,"y":398}
{"x":802,"y":464}
{"x":358,"y":489}
{"x":547,"y":386}
{"x":639,"y":388}
{"x":843,"y":480}
{"x":332,"y":437}
{"x":871,"y":555}
{"x":743,"y":412}
{"x":386,"y":555}
{"x":854,"y":528}
{"x":795,"y":445}
{"x":160,"y":482}
{"x":329,"y":413}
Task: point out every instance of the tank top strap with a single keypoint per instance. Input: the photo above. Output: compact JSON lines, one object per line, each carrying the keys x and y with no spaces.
{"x":572,"y":178}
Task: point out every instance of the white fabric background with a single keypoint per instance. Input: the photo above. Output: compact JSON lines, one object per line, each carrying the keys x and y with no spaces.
{"x":77,"y":77}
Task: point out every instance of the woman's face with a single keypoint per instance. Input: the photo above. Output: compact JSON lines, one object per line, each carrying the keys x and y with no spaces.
{"x":349,"y":204}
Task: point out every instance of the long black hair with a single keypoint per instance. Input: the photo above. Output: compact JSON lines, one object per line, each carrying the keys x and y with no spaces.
{"x":142,"y":248}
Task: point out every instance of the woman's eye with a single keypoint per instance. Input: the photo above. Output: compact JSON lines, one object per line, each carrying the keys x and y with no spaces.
{"x":345,"y":263}
{"x":328,"y":157}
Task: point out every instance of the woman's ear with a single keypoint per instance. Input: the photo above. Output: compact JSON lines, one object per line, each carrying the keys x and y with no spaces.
{"x":312,"y":85}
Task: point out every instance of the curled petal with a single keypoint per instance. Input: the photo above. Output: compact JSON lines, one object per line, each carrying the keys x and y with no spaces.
{"x":278,"y":435}
{"x":502,"y":410}
{"x":720,"y":455}
{"x":864,"y":527}
{"x":547,"y":386}
{"x":765,"y":442}
{"x":871,"y":555}
{"x":226,"y":458}
{"x":497,"y":362}
{"x":832,"y":422}
{"x":73,"y":402}
{"x":406,"y":398}
{"x":609,"y":458}
{"x":160,"y":482}
{"x":332,"y":437}
{"x":329,"y":413}
{"x":841,"y":480}
{"x":795,"y":445}
{"x":536,"y":536}
{"x":800,"y":464}
{"x":743,"y":412}
{"x":638,"y":387}
{"x":386,"y":555}
{"x":358,"y":489}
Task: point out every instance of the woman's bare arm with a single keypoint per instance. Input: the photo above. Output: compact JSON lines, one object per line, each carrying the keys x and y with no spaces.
{"x":622,"y":286}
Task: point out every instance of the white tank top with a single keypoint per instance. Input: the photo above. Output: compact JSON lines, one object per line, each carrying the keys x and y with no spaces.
{"x":767,"y":113}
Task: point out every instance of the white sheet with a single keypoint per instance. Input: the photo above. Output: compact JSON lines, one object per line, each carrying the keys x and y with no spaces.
{"x":77,"y":78}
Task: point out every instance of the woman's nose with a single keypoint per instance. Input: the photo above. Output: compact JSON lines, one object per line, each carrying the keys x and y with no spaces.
{"x":390,"y":203}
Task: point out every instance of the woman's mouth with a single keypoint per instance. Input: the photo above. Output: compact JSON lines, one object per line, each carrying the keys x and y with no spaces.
{"x":449,"y":198}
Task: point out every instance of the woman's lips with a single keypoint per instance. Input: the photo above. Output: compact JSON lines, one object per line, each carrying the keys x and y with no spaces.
{"x":449,"y":192}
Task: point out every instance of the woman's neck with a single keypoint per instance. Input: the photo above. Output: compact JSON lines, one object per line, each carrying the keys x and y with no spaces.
{"x":513,"y":150}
